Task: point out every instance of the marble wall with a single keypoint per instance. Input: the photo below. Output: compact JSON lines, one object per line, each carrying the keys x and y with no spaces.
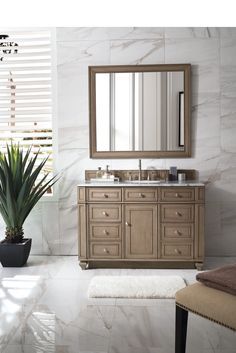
{"x":212,"y":52}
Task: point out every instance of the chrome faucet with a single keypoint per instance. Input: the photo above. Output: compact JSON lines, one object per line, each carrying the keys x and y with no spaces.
{"x":139,"y":169}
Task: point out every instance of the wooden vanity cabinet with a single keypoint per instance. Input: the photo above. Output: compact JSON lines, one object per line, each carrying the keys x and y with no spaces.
{"x":141,"y":226}
{"x":140,"y":231}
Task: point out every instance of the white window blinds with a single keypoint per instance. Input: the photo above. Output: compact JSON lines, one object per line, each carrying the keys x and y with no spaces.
{"x":26,"y":90}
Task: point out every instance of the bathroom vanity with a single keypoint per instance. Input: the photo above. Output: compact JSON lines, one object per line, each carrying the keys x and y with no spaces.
{"x":141,"y":111}
{"x":141,"y":224}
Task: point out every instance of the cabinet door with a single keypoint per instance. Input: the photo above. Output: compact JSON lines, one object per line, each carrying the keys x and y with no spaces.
{"x":141,"y":231}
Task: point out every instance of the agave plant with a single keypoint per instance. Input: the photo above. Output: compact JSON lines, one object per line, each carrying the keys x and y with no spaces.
{"x":20,"y":189}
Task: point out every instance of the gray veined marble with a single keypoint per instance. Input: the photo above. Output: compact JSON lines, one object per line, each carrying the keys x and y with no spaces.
{"x":84,"y":53}
{"x":33,"y":228}
{"x":108,"y":33}
{"x":203,"y":54}
{"x":68,"y":227}
{"x":205,"y":120}
{"x":147,"y":183}
{"x":44,"y":308}
{"x":228,"y":49}
{"x":50,"y":216}
{"x":197,"y":52}
{"x":227,"y":82}
{"x":134,"y":52}
{"x":192,"y":32}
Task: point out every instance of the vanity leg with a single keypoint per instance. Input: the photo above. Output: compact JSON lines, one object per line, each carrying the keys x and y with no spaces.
{"x":84,"y":265}
{"x":199,"y":266}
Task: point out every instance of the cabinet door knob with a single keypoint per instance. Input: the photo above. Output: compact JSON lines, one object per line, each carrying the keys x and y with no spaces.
{"x":141,"y":195}
{"x":106,"y":251}
{"x":177,"y":251}
{"x":127,"y":224}
{"x":178,"y":214}
{"x":105,"y":213}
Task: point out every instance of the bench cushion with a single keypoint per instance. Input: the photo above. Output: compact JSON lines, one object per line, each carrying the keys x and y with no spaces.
{"x":210,"y":303}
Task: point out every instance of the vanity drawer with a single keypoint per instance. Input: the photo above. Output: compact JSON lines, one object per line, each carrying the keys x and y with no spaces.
{"x":178,"y":231}
{"x":105,"y":250}
{"x":177,"y":251}
{"x":104,"y":194}
{"x":104,"y":231}
{"x":177,"y":194}
{"x":177,"y":213}
{"x":108,"y":213}
{"x":140,"y":194}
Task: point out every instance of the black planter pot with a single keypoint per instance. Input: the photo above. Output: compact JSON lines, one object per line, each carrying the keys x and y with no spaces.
{"x":14,"y":255}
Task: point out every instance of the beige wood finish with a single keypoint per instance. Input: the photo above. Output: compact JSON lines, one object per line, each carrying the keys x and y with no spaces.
{"x":177,"y":213}
{"x":105,"y":213}
{"x":104,"y":194}
{"x":177,"y":194}
{"x":176,"y":251}
{"x":140,"y":194}
{"x":104,"y":231}
{"x":177,"y":232}
{"x":140,"y":234}
{"x":105,"y":250}
{"x":127,"y":230}
{"x":93,"y":70}
{"x":82,"y":222}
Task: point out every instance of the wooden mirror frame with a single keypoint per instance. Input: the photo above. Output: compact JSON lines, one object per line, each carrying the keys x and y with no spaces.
{"x":93,"y":70}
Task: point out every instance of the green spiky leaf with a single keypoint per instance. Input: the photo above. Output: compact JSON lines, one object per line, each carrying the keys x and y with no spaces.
{"x":20,"y":188}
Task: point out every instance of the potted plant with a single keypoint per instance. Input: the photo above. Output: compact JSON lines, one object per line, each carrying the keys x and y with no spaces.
{"x":20,"y":190}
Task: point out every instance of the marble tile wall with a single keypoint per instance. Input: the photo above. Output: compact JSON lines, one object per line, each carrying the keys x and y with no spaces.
{"x":212,"y":52}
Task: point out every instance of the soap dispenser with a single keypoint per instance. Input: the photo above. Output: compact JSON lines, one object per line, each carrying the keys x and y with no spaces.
{"x":99,"y":173}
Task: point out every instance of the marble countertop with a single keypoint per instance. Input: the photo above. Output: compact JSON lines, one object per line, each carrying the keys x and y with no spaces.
{"x":140,"y":183}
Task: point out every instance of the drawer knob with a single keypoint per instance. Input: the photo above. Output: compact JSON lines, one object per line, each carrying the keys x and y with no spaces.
{"x":105,"y":250}
{"x":177,"y":232}
{"x":105,"y":232}
{"x":105,"y":195}
{"x":177,"y":251}
{"x":141,"y":195}
{"x":178,"y":214}
{"x":176,"y":195}
{"x":105,"y":213}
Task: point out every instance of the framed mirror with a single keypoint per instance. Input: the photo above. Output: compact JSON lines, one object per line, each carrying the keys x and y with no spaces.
{"x":139,"y":111}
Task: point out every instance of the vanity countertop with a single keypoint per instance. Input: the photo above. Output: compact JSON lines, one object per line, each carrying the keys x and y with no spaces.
{"x":140,"y":183}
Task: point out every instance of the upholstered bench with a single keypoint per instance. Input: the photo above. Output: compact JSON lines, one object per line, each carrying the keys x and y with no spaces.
{"x":212,"y":304}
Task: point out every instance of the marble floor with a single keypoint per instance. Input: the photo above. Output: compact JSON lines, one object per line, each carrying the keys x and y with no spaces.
{"x":44,"y":308}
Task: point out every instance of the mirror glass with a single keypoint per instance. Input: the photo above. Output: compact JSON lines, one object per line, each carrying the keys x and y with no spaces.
{"x":139,"y":111}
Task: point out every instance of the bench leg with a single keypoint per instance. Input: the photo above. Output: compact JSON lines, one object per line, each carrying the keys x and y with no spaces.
{"x":181,"y":322}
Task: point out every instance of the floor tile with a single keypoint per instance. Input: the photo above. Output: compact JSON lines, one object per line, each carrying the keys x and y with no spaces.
{"x":44,"y":307}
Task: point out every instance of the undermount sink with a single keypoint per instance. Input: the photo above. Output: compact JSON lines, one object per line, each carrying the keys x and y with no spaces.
{"x":142,"y":181}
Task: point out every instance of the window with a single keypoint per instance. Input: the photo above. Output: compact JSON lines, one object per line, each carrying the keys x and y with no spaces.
{"x":26,"y":104}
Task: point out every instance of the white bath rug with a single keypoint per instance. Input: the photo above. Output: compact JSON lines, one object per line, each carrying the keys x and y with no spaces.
{"x":135,"y":286}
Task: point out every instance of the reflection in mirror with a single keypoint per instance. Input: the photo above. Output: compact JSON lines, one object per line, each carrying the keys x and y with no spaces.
{"x":140,"y":111}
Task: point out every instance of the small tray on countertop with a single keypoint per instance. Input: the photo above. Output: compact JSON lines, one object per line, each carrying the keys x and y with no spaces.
{"x":104,"y":180}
